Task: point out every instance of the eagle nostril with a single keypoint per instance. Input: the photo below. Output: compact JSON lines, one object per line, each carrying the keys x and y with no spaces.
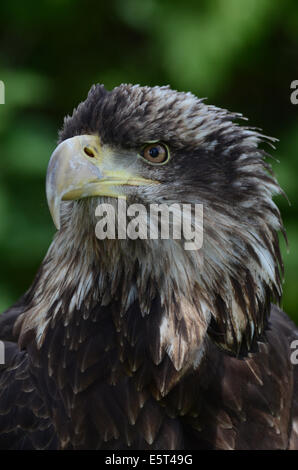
{"x":88,"y":151}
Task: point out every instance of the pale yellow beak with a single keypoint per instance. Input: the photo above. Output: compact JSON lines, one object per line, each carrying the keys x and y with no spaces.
{"x":79,"y":168}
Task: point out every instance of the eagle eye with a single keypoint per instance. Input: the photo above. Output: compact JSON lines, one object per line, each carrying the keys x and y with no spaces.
{"x":155,"y":153}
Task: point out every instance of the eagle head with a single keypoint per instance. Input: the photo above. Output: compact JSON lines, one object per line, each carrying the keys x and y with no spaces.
{"x":159,"y":146}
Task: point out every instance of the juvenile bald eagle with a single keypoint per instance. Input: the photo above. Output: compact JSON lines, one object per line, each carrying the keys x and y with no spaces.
{"x":142,"y":344}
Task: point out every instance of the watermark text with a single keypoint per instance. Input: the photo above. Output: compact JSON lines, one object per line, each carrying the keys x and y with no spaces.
{"x":2,"y":92}
{"x":2,"y":353}
{"x":155,"y":221}
{"x":294,"y":94}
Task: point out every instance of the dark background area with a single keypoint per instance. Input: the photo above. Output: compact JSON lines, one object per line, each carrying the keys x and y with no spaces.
{"x":241,"y":54}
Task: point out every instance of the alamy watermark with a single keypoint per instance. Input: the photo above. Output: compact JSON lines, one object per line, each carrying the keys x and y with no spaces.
{"x":2,"y":92}
{"x":2,"y":353}
{"x":294,"y":355}
{"x":156,"y":221}
{"x":294,"y":94}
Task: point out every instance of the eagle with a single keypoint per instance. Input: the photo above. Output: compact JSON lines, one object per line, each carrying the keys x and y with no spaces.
{"x":125,"y":343}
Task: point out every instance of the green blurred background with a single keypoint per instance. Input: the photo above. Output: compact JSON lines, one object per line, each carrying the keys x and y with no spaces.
{"x":241,"y":54}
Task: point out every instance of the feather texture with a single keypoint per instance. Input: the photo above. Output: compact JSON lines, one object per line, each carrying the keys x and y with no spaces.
{"x":141,"y":344}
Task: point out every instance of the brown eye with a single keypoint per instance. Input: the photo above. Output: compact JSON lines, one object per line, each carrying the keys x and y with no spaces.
{"x":155,"y":153}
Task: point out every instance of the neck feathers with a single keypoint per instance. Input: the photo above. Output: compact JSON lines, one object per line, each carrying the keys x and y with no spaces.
{"x":222,"y":291}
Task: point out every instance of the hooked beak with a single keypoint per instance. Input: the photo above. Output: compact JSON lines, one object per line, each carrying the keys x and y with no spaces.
{"x":79,"y":168}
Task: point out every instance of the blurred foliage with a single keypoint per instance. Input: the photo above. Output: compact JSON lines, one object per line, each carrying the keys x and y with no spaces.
{"x":241,"y":54}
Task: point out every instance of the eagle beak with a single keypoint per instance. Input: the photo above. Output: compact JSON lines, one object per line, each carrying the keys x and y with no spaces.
{"x":80,"y":168}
